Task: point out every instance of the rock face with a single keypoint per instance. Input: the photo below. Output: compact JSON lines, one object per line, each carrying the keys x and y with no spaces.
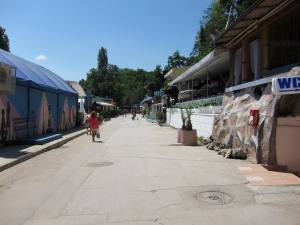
{"x":206,"y":141}
{"x":231,"y":126}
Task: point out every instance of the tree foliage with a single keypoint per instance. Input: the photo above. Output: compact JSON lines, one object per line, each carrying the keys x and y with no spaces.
{"x":102,"y":60}
{"x":176,"y":60}
{"x":128,"y":86}
{"x":125,"y":86}
{"x":4,"y":41}
{"x":214,"y":21}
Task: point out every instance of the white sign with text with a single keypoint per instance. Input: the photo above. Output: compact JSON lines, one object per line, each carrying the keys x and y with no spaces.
{"x":286,"y":85}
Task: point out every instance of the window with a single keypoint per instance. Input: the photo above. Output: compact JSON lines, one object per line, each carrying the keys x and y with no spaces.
{"x":285,"y":41}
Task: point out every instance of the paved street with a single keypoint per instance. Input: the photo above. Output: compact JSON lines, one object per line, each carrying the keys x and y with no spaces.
{"x":138,"y":175}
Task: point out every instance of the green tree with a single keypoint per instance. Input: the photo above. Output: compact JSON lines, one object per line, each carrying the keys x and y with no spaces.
{"x":243,"y":5}
{"x":213,"y":24}
{"x":92,"y":81}
{"x":175,"y":60}
{"x":4,"y":41}
{"x":125,"y":86}
{"x":102,"y":60}
{"x":159,"y":77}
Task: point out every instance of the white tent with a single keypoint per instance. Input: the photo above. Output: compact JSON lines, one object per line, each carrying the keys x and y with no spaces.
{"x":81,"y":106}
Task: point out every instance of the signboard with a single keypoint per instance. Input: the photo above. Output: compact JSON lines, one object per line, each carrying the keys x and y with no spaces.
{"x":7,"y":79}
{"x":286,"y":85}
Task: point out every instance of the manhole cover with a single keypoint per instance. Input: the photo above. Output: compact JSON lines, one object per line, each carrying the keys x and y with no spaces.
{"x":215,"y":197}
{"x":100,"y":164}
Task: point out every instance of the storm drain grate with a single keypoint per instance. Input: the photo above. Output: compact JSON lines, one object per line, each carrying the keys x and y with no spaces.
{"x":215,"y":197}
{"x":100,"y":164}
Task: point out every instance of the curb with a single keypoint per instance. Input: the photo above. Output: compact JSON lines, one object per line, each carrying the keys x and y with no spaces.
{"x":44,"y":148}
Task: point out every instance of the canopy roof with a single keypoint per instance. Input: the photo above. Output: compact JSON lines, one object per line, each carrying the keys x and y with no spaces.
{"x":77,"y":87}
{"x":104,"y":104}
{"x":146,"y":99}
{"x":213,"y":63}
{"x":33,"y":75}
{"x":260,"y":11}
{"x":175,"y":72}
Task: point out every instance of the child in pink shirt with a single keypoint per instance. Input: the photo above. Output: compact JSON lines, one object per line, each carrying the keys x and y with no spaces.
{"x":94,"y":124}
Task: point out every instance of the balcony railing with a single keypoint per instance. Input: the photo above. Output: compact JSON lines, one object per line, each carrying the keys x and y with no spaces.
{"x":188,"y":95}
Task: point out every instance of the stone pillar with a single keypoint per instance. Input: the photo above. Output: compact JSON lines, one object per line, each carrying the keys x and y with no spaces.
{"x":246,"y":75}
{"x":265,"y":50}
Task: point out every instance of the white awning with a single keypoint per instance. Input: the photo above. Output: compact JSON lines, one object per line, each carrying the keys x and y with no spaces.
{"x":104,"y":104}
{"x":175,"y":72}
{"x":215,"y":62}
{"x":81,"y":106}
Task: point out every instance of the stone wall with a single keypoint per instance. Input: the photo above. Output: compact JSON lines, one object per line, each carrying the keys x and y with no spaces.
{"x":231,"y":126}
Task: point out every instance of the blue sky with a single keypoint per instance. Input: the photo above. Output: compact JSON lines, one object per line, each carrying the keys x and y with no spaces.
{"x":64,"y":36}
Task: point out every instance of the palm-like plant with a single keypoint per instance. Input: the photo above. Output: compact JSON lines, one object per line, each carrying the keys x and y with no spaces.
{"x":183,"y":119}
{"x":188,"y":125}
{"x":186,"y":113}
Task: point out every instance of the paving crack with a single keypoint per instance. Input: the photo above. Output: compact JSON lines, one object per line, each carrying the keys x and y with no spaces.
{"x":170,"y":205}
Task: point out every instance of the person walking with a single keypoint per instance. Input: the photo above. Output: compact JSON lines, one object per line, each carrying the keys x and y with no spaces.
{"x":94,"y":124}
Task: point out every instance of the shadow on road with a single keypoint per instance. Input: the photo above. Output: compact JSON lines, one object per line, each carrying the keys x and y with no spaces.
{"x":13,"y":151}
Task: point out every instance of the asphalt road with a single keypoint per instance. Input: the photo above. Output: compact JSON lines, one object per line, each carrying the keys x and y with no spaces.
{"x":138,"y":175}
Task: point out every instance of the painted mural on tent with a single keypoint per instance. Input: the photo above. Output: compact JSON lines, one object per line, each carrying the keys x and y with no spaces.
{"x":44,"y":116}
{"x":48,"y":113}
{"x":43,"y":107}
{"x":13,"y":115}
{"x":7,"y":113}
{"x":67,"y":118}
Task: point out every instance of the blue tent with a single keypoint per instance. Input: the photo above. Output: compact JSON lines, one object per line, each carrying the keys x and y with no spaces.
{"x":33,"y":75}
{"x":42,"y":103}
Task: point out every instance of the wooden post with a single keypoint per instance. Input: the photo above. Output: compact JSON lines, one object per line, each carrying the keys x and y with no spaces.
{"x":230,"y":81}
{"x":265,"y":51}
{"x":245,"y":62}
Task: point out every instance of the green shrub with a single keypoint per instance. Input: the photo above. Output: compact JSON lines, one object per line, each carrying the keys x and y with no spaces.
{"x":200,"y":139}
{"x":160,"y":116}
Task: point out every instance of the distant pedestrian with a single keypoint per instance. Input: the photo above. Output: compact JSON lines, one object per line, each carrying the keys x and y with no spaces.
{"x":133,"y":115}
{"x":94,"y":124}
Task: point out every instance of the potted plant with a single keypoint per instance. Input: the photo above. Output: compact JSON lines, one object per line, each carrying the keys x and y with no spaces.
{"x":160,"y":117}
{"x":188,"y":136}
{"x":183,"y":119}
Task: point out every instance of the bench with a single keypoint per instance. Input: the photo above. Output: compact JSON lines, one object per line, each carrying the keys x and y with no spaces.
{"x":26,"y":133}
{"x":40,"y":140}
{"x":22,"y":129}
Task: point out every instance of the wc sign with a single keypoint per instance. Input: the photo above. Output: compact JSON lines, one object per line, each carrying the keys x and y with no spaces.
{"x":286,"y":85}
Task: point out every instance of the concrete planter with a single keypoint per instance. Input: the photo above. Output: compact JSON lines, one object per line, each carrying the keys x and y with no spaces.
{"x":189,"y":137}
